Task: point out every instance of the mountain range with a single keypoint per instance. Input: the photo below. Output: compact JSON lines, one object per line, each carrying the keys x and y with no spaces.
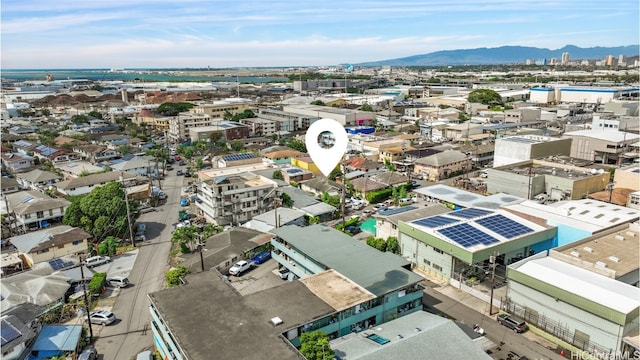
{"x":505,"y":55}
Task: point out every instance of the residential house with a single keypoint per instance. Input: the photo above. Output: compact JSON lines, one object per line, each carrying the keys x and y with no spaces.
{"x":306,"y":163}
{"x":294,"y":174}
{"x":76,"y":169}
{"x":236,"y":160}
{"x":85,"y":184}
{"x":281,"y":157}
{"x":461,"y":132}
{"x":58,"y":340}
{"x":320,"y":185}
{"x":95,"y":153}
{"x":38,"y":179}
{"x":113,"y":141}
{"x":308,"y":204}
{"x":32,"y":209}
{"x":9,"y":186}
{"x":54,"y":242}
{"x":17,"y":162}
{"x":17,"y":335}
{"x":261,"y":127}
{"x":363,"y":164}
{"x":54,"y":155}
{"x":275,"y":218}
{"x":442,"y":165}
{"x":46,"y":290}
{"x":136,"y":165}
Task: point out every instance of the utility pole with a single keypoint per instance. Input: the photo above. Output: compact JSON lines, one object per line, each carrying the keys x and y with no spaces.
{"x":492,"y":260}
{"x":344,"y":179}
{"x":86,"y":298}
{"x":126,"y":201}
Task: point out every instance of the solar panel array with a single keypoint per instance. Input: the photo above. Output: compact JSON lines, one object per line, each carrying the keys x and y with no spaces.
{"x":435,"y":221}
{"x":9,"y":332}
{"x":57,"y":264}
{"x":235,"y":157}
{"x":469,"y":213}
{"x":521,"y":140}
{"x":504,"y":226}
{"x":466,"y":235}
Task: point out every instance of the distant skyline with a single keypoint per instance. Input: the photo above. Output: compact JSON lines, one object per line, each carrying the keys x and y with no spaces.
{"x":38,"y":34}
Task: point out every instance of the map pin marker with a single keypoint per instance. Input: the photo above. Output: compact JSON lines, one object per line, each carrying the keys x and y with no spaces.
{"x":326,"y":142}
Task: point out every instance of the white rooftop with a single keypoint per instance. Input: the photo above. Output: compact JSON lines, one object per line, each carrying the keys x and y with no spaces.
{"x":605,"y":291}
{"x":613,"y":136}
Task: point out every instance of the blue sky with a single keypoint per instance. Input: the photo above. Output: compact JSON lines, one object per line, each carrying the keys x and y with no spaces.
{"x":190,"y":33}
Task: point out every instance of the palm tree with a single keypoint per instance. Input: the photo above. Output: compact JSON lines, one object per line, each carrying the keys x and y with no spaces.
{"x":185,"y":237}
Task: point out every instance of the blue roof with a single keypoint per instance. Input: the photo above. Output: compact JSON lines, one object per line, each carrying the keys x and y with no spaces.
{"x":58,"y":338}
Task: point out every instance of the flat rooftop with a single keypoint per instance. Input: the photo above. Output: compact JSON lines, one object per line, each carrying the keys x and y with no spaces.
{"x":467,"y":198}
{"x":618,"y":251}
{"x":232,"y":170}
{"x":225,"y":323}
{"x":336,"y":290}
{"x":584,"y":283}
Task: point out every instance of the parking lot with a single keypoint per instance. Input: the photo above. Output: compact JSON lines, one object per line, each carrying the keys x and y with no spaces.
{"x":258,"y":278}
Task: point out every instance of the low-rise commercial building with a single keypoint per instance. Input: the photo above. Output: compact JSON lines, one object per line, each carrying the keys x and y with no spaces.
{"x":513,"y":149}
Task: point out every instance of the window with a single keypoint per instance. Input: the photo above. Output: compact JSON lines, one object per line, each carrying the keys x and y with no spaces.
{"x":438,"y":251}
{"x":427,"y":262}
{"x":437,"y":267}
{"x":75,"y":243}
{"x":50,"y":212}
{"x":61,"y":246}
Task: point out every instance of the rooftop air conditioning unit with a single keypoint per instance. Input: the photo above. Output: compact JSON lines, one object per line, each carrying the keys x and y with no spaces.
{"x":600,"y":264}
{"x":587,"y":249}
{"x":575,"y":253}
{"x":614,"y":259}
{"x":619,"y":237}
{"x":631,"y":233}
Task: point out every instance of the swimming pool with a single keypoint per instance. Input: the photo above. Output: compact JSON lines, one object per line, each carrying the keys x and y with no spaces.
{"x":369,"y":226}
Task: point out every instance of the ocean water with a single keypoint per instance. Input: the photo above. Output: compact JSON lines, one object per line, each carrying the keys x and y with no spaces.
{"x":131,"y":75}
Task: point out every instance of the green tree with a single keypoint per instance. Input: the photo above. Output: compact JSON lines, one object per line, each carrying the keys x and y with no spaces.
{"x":185,"y":236}
{"x":286,"y":200}
{"x":278,"y":175}
{"x":392,"y":245}
{"x":108,"y":246}
{"x":243,"y":115}
{"x":79,"y":119}
{"x":366,"y":107}
{"x":95,"y":114}
{"x":102,"y":212}
{"x":297,"y":145}
{"x":335,"y":173}
{"x":237,"y":145}
{"x":314,"y":345}
{"x":173,"y":109}
{"x":174,"y":275}
{"x":485,"y":96}
{"x":331,"y":200}
{"x":318,"y":102}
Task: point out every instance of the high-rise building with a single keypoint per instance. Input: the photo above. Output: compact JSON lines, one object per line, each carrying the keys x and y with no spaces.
{"x":565,"y":57}
{"x":608,"y":60}
{"x":622,"y":60}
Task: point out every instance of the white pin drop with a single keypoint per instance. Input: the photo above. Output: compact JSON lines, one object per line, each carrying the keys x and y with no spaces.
{"x":326,"y":158}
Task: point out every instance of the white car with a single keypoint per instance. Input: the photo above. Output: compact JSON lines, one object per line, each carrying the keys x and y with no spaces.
{"x":238,"y":268}
{"x":96,"y":260}
{"x":102,"y":317}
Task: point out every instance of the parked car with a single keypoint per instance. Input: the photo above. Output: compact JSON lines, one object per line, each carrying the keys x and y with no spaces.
{"x":145,"y":355}
{"x":261,"y":257}
{"x":88,"y":354}
{"x":162,"y":195}
{"x":179,"y":172}
{"x":103,"y":317}
{"x":284,"y":273}
{"x":182,"y":163}
{"x":187,"y":216}
{"x":178,"y":158}
{"x":512,"y":322}
{"x":184,"y":202}
{"x":169,"y":167}
{"x":353,"y":229}
{"x":119,"y":281}
{"x":238,"y":268}
{"x":96,"y":260}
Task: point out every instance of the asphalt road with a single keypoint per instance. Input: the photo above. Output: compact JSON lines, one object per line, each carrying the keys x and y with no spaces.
{"x":436,"y":302}
{"x":131,"y":333}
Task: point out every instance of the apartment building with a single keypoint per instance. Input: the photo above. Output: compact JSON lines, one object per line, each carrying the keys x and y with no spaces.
{"x":235,"y":199}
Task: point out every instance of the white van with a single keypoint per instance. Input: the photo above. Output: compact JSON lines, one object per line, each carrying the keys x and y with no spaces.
{"x":96,"y":260}
{"x":119,"y":281}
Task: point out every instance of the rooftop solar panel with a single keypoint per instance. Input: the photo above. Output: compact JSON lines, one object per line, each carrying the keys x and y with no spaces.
{"x":234,"y":157}
{"x":466,"y":235}
{"x":435,"y":221}
{"x":395,"y":211}
{"x":9,"y":332}
{"x":504,"y":226}
{"x":469,"y":213}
